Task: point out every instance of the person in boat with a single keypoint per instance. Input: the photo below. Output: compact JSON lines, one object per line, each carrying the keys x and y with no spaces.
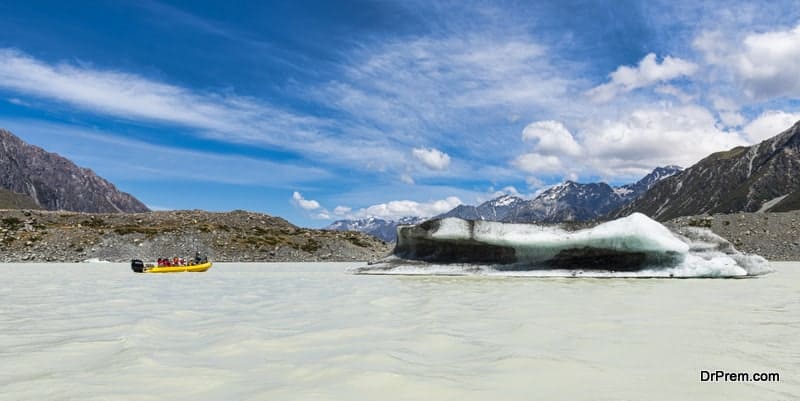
{"x":197,"y":258}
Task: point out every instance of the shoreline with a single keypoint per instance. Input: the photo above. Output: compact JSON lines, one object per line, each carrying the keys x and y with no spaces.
{"x":249,"y":237}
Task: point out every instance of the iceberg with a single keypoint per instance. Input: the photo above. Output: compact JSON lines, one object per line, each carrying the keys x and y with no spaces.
{"x":633,"y":246}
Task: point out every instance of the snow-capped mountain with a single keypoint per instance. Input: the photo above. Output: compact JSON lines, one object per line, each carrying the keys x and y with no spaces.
{"x":497,"y":209}
{"x":568,"y":201}
{"x":637,"y":189}
{"x":385,"y":230}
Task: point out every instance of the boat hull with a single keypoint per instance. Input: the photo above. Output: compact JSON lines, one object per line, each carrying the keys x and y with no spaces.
{"x":179,"y":269}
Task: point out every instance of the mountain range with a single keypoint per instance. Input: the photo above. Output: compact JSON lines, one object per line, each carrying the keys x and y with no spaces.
{"x":568,"y":201}
{"x":54,"y":183}
{"x":385,"y":230}
{"x":762,"y":177}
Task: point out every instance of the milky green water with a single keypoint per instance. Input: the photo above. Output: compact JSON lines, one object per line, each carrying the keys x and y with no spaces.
{"x":312,"y":332}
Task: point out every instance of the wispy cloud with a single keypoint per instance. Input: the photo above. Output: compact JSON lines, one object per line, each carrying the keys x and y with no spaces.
{"x":124,"y":158}
{"x":220,"y":116}
{"x":438,"y":90}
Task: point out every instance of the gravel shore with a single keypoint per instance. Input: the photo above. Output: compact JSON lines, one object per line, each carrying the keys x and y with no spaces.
{"x":775,"y":236}
{"x":238,"y":236}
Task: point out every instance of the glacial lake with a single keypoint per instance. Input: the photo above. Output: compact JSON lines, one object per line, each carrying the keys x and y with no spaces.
{"x":314,"y":332}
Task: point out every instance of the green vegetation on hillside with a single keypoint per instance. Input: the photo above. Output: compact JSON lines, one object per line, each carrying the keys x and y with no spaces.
{"x":13,"y":200}
{"x":789,"y":203}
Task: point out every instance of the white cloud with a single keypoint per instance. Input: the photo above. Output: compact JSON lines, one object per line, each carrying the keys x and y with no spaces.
{"x":432,"y":158}
{"x":635,"y":143}
{"x":323,"y":215}
{"x":764,"y":64}
{"x":646,"y":73}
{"x":674,"y":92}
{"x":164,"y":162}
{"x":407,"y":179}
{"x":769,"y":124}
{"x":400,"y":208}
{"x":553,"y":145}
{"x":507,"y":190}
{"x":305,"y":204}
{"x":444,"y":85}
{"x":221,"y":116}
{"x":341,"y":210}
{"x":535,"y":163}
{"x":552,"y":138}
{"x":728,"y":111}
{"x":534,"y":182}
{"x":656,"y":136}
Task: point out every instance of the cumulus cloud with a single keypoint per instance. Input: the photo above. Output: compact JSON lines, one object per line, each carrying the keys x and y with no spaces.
{"x":305,"y":204}
{"x":654,"y":136}
{"x":553,"y":143}
{"x":551,"y":138}
{"x":633,"y":144}
{"x":769,"y":124}
{"x":400,"y":208}
{"x":432,"y":158}
{"x":764,"y":63}
{"x":646,"y":73}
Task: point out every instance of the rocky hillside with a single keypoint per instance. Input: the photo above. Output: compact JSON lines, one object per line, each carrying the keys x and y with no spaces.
{"x":742,"y":179}
{"x":225,"y":237}
{"x":55,"y":183}
{"x":568,"y":201}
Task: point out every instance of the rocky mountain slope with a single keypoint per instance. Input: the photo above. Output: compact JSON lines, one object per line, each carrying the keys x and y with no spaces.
{"x":55,"y":183}
{"x":237,"y":236}
{"x":385,"y":230}
{"x":568,"y":201}
{"x":742,"y":179}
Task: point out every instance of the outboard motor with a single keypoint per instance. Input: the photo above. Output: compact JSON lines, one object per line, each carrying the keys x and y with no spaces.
{"x":137,"y":266}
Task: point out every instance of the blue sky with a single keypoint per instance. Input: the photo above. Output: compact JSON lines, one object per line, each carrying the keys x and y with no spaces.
{"x":315,"y":111}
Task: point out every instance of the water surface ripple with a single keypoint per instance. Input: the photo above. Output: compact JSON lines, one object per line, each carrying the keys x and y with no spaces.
{"x":313,"y":332}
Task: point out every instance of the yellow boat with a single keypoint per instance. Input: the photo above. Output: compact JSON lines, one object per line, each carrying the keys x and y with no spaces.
{"x":139,"y":267}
